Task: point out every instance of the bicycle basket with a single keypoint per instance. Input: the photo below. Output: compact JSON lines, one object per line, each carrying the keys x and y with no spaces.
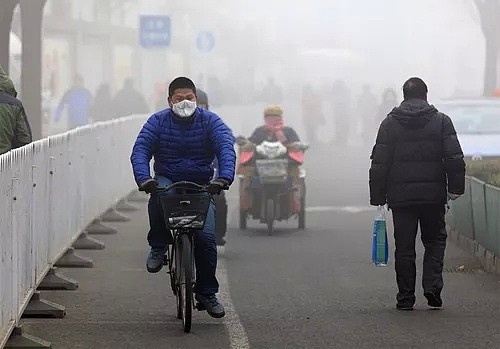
{"x":272,"y":168}
{"x":185,"y":210}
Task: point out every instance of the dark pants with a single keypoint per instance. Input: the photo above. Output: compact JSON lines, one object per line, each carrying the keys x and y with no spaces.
{"x":205,"y":248}
{"x":433,"y":234}
{"x":220,"y":218}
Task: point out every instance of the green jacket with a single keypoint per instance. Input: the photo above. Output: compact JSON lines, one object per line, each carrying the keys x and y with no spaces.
{"x":14,"y":127}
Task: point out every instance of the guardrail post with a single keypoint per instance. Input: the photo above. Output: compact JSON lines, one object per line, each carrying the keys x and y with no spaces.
{"x":472,"y":210}
{"x":56,"y":281}
{"x":19,"y":339}
{"x":33,"y":238}
{"x":15,"y":250}
{"x":97,"y":228}
{"x":85,"y":242}
{"x":38,"y":307}
{"x":124,"y":205}
{"x":71,"y":260}
{"x":50,"y":189}
{"x":113,"y":215}
{"x":137,"y":196}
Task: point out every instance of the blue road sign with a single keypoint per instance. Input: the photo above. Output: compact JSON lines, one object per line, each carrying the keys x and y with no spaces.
{"x":155,"y":31}
{"x":205,"y":41}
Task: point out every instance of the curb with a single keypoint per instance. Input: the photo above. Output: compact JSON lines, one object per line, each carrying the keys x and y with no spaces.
{"x":487,"y":259}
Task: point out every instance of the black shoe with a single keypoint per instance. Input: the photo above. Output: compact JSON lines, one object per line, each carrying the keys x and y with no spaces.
{"x":404,"y":307}
{"x":221,"y":242}
{"x":211,"y":304}
{"x":433,"y":300}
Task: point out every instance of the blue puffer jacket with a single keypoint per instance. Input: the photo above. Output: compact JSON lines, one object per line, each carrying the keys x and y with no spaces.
{"x":184,"y":150}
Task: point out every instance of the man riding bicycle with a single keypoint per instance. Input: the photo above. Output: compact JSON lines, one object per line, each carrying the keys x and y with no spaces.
{"x":184,"y":140}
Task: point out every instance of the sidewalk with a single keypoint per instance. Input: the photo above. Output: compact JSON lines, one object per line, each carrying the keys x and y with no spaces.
{"x":119,"y":305}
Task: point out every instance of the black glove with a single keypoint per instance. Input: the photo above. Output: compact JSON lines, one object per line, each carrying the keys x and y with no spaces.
{"x":150,"y":186}
{"x":240,"y":140}
{"x":217,"y":185}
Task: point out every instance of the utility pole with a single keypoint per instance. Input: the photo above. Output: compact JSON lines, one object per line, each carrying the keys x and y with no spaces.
{"x":489,"y":12}
{"x":6,"y":13}
{"x":31,"y":72}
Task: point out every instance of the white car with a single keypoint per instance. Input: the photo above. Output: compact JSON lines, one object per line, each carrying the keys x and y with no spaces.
{"x":477,"y":122}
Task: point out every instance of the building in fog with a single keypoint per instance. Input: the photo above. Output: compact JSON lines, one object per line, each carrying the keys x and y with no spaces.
{"x":98,"y":40}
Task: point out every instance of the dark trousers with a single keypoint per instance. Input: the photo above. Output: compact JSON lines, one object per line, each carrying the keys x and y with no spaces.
{"x":433,"y":235}
{"x":220,"y":217}
{"x":205,"y":248}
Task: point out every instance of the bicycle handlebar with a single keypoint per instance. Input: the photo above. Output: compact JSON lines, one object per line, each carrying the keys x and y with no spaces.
{"x":184,"y":185}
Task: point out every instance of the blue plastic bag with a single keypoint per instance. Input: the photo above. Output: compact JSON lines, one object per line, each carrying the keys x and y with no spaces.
{"x":380,"y":247}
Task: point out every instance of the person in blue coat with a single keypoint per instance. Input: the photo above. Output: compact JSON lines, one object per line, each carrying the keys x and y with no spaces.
{"x":183,"y":140}
{"x":78,"y":100}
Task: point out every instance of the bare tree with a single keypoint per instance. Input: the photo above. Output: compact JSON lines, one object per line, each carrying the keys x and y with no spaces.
{"x":31,"y":73}
{"x":489,"y":15}
{"x":6,"y":12}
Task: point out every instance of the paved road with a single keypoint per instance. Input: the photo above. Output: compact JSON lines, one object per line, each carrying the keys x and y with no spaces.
{"x":296,"y":289}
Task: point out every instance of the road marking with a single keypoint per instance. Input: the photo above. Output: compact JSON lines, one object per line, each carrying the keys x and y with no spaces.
{"x":348,"y":209}
{"x":174,"y":320}
{"x":237,"y":335}
{"x":238,"y":338}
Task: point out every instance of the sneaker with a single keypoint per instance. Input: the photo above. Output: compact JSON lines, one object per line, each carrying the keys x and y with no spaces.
{"x":433,"y":300}
{"x":404,"y":307}
{"x":155,"y":259}
{"x":211,"y":304}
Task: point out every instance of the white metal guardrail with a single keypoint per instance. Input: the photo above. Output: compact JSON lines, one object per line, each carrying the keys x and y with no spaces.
{"x":50,"y":191}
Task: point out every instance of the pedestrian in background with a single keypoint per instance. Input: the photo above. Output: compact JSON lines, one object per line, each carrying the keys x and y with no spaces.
{"x":129,"y":101}
{"x":102,"y":109}
{"x":312,"y":113}
{"x":389,"y":102}
{"x":417,"y":166}
{"x":367,"y":106}
{"x":78,"y":100}
{"x":14,"y":126}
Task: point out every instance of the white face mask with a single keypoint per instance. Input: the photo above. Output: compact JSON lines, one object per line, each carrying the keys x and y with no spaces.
{"x":184,"y":109}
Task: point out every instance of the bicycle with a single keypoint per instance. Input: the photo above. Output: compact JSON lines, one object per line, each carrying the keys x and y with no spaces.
{"x":184,"y":213}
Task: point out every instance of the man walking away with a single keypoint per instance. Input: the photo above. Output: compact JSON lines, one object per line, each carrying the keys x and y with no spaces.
{"x":417,"y":166}
{"x":14,"y":127}
{"x":129,"y":101}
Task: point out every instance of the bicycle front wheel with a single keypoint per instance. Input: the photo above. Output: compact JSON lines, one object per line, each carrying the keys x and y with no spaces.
{"x":186,"y":284}
{"x":177,"y":274}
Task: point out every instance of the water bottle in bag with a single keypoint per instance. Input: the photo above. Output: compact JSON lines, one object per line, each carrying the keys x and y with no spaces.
{"x":380,"y":248}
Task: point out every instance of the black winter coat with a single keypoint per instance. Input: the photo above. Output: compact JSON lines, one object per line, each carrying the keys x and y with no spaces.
{"x":417,"y":157}
{"x":261,"y":134}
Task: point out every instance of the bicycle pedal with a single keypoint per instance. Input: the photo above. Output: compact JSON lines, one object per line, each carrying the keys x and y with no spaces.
{"x":200,"y":307}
